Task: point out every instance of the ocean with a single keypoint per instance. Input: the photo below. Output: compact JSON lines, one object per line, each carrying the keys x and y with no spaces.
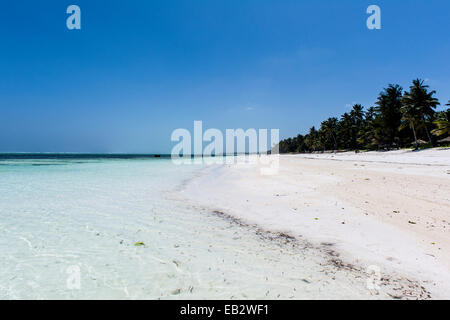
{"x":117,"y":227}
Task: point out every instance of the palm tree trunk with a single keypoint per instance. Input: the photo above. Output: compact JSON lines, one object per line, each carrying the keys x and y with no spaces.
{"x":428,"y":133}
{"x":415,"y":136}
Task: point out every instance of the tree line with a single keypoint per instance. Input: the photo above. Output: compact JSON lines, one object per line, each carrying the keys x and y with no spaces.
{"x":399,"y":119}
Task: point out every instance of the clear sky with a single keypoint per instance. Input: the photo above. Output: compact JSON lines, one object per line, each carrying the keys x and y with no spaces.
{"x":137,"y":70}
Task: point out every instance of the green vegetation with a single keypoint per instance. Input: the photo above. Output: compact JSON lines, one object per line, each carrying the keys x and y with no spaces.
{"x":398,"y":120}
{"x":442,"y":123}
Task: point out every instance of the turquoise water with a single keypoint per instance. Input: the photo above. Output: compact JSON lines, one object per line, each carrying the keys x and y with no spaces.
{"x":56,"y":214}
{"x":69,"y":228}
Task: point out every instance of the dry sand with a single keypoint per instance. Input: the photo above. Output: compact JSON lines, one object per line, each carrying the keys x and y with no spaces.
{"x":390,"y":210}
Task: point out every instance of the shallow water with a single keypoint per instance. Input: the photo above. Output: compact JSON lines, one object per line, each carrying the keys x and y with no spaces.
{"x":69,"y":228}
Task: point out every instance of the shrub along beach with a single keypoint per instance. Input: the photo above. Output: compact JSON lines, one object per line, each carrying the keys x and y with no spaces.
{"x":399,"y":120}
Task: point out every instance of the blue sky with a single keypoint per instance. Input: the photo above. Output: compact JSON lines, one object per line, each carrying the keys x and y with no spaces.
{"x":137,"y":70}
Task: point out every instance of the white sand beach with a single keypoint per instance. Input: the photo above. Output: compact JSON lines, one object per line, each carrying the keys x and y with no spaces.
{"x":386,"y":210}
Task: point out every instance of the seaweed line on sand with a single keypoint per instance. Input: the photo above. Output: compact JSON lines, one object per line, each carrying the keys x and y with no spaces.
{"x":399,"y":287}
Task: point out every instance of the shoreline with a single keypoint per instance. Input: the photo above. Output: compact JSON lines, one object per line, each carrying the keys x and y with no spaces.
{"x":305,"y":200}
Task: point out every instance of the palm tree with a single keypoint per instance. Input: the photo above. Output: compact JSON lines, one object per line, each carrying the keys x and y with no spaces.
{"x":443,"y":123}
{"x":357,"y":115}
{"x":329,"y":129}
{"x":410,"y":118}
{"x":368,"y":137}
{"x":388,"y":107}
{"x":345,"y":131}
{"x":312,"y":139}
{"x":418,"y":107}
